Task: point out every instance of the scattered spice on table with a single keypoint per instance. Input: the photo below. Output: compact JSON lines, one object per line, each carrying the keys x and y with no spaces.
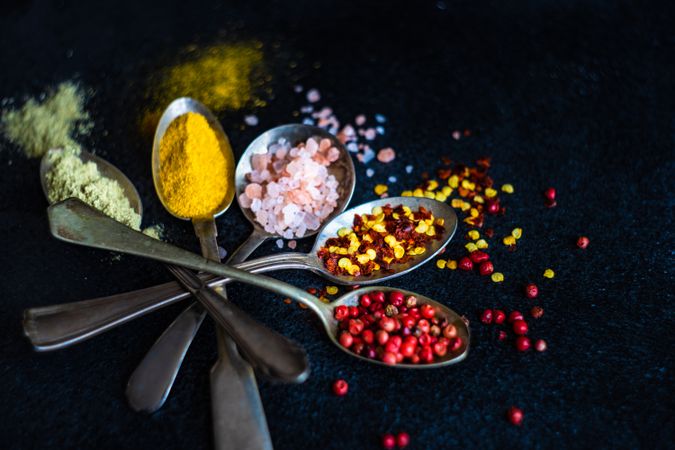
{"x":395,"y":328}
{"x":196,"y":174}
{"x":290,"y":189}
{"x":54,"y":122}
{"x":389,"y":235}
{"x":71,"y":177}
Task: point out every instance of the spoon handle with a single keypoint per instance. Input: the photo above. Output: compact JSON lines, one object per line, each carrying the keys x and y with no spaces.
{"x":267,"y":351}
{"x":58,"y":326}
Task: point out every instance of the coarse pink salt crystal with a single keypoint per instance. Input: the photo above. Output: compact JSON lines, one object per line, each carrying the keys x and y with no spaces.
{"x":360,"y":120}
{"x":251,"y":120}
{"x":292,"y":244}
{"x":370,"y":134}
{"x":456,"y":135}
{"x":313,"y":96}
{"x":386,"y":155}
{"x":253,"y":190}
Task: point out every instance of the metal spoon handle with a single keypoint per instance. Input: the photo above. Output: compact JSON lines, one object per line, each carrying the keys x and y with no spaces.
{"x":151,"y":382}
{"x":58,"y":326}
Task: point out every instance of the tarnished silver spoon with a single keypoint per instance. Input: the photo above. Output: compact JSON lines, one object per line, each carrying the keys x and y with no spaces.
{"x":75,"y":222}
{"x":58,"y":326}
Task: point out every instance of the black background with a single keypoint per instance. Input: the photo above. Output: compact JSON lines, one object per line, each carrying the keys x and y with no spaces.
{"x":576,"y":95}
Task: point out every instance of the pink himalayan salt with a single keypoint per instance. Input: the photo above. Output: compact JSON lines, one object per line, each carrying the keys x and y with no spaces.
{"x":386,"y":155}
{"x":290,"y":190}
{"x":313,"y":96}
{"x":360,"y":120}
{"x":456,"y":135}
{"x":370,"y":134}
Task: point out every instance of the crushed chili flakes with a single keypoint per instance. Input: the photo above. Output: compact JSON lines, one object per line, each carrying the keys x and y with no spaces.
{"x":376,"y":241}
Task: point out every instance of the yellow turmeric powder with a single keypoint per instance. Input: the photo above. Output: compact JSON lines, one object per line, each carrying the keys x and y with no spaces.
{"x":196,"y":175}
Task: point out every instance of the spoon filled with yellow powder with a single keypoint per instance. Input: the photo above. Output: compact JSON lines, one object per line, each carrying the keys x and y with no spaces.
{"x":193,"y":166}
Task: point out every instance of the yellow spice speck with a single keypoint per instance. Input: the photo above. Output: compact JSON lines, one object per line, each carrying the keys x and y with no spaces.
{"x":381,"y":189}
{"x":497,"y":277}
{"x":507,"y":188}
{"x":331,"y":290}
{"x":471,"y":247}
{"x":441,"y":263}
{"x":549,"y":273}
{"x":517,"y":233}
{"x":452,"y":264}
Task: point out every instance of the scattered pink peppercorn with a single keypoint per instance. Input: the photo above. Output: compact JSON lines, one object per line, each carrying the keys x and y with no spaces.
{"x":492,"y":207}
{"x":498,"y":316}
{"x":531,"y":290}
{"x":523,"y":343}
{"x":388,"y":441}
{"x":540,"y":345}
{"x":479,"y":256}
{"x":502,"y":335}
{"x":515,"y":315}
{"x":486,"y":317}
{"x":550,"y":194}
{"x":537,"y":312}
{"x":465,"y":264}
{"x":520,"y":327}
{"x":515,"y":416}
{"x":340,"y":388}
{"x":583,"y":242}
{"x":402,"y":439}
{"x":486,"y":268}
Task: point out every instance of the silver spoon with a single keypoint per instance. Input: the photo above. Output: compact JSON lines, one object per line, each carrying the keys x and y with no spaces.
{"x":232,"y":379}
{"x":75,"y":222}
{"x":251,"y":426}
{"x":151,"y":382}
{"x":58,"y":326}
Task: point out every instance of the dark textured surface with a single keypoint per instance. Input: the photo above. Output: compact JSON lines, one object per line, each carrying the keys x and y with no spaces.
{"x":577,"y":95}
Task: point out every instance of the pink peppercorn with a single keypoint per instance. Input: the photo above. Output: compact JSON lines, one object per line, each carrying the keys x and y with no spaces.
{"x":340,"y":387}
{"x":498,"y":316}
{"x":583,"y":242}
{"x":531,"y":290}
{"x":540,"y":345}
{"x":515,"y":315}
{"x":455,"y":344}
{"x":365,"y":301}
{"x":346,"y":340}
{"x":502,"y":335}
{"x":388,"y":441}
{"x":377,"y":296}
{"x":479,"y":256}
{"x":523,"y":343}
{"x":486,"y":268}
{"x":450,"y":332}
{"x":341,"y":312}
{"x":396,"y":298}
{"x":402,"y":439}
{"x":465,"y":264}
{"x":515,"y":415}
{"x":389,"y":358}
{"x":486,"y":317}
{"x":520,"y":327}
{"x":428,"y":311}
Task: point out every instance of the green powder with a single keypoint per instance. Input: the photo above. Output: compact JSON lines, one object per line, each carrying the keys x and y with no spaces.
{"x":38,"y":126}
{"x":71,"y":177}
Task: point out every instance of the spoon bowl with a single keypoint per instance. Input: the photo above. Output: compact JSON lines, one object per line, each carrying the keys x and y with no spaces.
{"x":177,"y":108}
{"x":104,"y":167}
{"x":442,"y":312}
{"x":342,"y":169}
{"x":311,"y":261}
